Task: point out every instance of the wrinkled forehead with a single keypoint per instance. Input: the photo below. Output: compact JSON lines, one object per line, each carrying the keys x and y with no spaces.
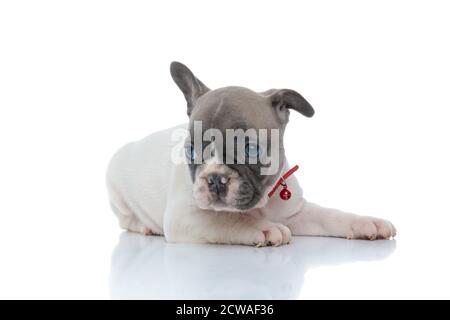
{"x":234,"y":108}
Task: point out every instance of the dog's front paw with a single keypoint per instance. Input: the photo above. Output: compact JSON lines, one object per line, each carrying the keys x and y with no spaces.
{"x":370,"y":228}
{"x":271,"y":234}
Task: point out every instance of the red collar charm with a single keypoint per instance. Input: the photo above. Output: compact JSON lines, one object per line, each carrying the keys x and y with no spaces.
{"x":285,"y":194}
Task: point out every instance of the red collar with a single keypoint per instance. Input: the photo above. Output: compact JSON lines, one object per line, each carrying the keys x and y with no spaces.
{"x":282,"y":180}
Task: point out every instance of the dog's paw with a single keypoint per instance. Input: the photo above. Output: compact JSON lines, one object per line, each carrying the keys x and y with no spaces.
{"x":369,"y":228}
{"x":147,"y":232}
{"x":271,"y":234}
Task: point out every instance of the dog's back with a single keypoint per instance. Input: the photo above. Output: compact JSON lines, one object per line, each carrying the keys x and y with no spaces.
{"x":137,"y":180}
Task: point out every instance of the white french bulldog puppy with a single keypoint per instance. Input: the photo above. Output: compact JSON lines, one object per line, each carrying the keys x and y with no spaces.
{"x":206,"y":199}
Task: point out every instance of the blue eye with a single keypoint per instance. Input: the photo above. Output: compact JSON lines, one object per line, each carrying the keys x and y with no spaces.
{"x":190,"y":152}
{"x":252,"y":150}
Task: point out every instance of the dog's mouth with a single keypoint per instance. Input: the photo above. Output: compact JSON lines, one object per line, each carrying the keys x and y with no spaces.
{"x":239,"y":206}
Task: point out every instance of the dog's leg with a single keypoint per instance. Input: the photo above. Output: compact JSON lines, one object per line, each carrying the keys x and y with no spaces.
{"x":201,"y":226}
{"x":127,"y":219}
{"x":313,"y":220}
{"x":130,"y":222}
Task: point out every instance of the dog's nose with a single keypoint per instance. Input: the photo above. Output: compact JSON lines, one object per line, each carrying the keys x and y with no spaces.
{"x":217,"y":183}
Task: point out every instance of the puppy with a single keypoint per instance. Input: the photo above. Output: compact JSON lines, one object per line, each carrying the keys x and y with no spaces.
{"x":209,"y":181}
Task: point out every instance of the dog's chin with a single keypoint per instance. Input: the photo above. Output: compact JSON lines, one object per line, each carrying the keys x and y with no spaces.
{"x":218,"y":206}
{"x":221,"y":206}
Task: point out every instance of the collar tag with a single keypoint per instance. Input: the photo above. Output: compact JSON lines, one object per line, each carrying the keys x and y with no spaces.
{"x":285,"y":194}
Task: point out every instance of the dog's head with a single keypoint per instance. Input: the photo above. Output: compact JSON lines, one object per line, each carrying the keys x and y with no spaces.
{"x":235,"y":149}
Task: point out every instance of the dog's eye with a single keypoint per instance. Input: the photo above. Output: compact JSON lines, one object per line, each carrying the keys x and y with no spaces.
{"x":252,"y":150}
{"x":190,"y":152}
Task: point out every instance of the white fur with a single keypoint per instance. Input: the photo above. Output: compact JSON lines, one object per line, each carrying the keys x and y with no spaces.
{"x":152,"y":195}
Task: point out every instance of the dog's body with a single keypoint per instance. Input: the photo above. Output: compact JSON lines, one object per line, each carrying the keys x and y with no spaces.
{"x":210,"y":202}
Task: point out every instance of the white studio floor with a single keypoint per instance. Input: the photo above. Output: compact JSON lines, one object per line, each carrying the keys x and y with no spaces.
{"x":151,"y":268}
{"x":134,"y":266}
{"x":308,"y":268}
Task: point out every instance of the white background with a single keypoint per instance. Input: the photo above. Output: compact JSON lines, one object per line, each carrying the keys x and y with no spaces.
{"x":80,"y":78}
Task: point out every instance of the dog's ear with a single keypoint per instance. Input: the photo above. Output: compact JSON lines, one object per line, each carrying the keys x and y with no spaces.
{"x":284,"y":99}
{"x":191,"y":87}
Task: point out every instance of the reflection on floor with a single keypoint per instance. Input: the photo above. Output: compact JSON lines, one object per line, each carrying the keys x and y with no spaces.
{"x":150,"y":268}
